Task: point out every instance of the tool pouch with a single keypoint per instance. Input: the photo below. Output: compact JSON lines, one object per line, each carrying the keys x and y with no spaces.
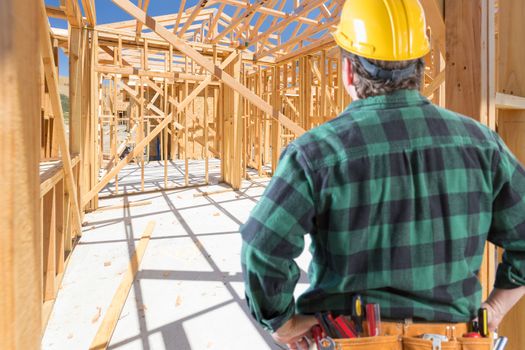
{"x":476,"y":343}
{"x":387,"y":342}
{"x":413,"y":343}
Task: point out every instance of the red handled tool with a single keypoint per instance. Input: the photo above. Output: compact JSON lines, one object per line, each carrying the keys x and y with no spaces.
{"x":373,"y":318}
{"x":346,"y":327}
{"x":342,"y":332}
{"x":317,"y":334}
{"x":472,"y":335}
{"x":328,"y":327}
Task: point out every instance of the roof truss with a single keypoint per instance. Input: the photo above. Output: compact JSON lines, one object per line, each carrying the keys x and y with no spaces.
{"x":267,"y":28}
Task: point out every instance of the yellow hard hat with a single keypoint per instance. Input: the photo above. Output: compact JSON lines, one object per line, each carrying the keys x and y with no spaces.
{"x":387,"y":30}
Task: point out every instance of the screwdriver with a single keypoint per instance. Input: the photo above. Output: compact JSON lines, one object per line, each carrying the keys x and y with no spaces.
{"x":357,"y":313}
{"x":483,"y":322}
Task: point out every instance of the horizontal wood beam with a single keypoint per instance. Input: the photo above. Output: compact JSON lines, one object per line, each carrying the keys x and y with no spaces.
{"x":50,"y":178}
{"x":131,"y":24}
{"x":506,"y":101}
{"x":131,"y":71}
{"x":55,"y":12}
{"x":109,"y":36}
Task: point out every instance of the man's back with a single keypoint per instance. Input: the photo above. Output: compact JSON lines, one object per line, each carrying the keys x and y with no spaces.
{"x":398,"y":196}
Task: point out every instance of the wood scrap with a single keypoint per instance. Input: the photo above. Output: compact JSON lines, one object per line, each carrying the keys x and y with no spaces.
{"x":124,"y":206}
{"x":206,"y":194}
{"x":106,"y":328}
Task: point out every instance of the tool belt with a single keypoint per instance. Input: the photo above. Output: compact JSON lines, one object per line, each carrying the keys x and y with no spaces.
{"x":407,"y":336}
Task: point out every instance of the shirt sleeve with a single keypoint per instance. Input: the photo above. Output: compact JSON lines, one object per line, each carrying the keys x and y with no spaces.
{"x":273,"y":236}
{"x":508,"y":221}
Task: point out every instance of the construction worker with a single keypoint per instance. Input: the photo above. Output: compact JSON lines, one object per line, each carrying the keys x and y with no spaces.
{"x":398,"y":196}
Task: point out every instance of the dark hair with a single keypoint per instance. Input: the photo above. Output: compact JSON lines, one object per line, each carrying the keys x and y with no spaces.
{"x":367,"y":86}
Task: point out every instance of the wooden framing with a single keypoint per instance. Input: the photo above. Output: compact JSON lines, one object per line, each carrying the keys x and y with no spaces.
{"x":464,"y":25}
{"x":52,"y":85}
{"x":20,"y":235}
{"x":57,"y":231}
{"x":510,"y":87}
{"x":67,"y":167}
{"x":297,"y":109}
{"x":89,"y":10}
{"x":208,"y":82}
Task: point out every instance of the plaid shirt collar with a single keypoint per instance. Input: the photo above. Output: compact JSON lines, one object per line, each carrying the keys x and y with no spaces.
{"x":397,"y":99}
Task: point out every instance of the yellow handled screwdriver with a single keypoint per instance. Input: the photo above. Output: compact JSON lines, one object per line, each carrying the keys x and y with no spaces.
{"x":357,"y":313}
{"x":483,"y":322}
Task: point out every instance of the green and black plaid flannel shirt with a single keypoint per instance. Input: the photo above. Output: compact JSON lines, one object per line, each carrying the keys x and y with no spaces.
{"x":399,"y":197}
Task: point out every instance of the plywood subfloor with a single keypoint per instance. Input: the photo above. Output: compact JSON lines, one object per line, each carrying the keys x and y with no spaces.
{"x":188,"y":293}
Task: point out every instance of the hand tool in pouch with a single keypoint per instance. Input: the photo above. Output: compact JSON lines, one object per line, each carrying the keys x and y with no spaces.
{"x":483,"y":322}
{"x":373,"y":318}
{"x":317,"y":335}
{"x":357,"y":313}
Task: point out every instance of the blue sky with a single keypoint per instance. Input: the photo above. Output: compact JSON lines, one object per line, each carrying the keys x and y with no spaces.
{"x":107,"y":12}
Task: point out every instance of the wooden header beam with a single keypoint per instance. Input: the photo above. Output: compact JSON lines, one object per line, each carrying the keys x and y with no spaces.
{"x":506,"y":101}
{"x":55,"y":12}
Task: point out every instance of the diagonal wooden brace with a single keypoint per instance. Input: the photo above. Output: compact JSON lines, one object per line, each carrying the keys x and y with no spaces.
{"x":52,"y":83}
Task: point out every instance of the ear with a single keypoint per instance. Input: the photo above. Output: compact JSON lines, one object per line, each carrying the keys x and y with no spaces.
{"x":348,"y":74}
{"x":348,"y":78}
